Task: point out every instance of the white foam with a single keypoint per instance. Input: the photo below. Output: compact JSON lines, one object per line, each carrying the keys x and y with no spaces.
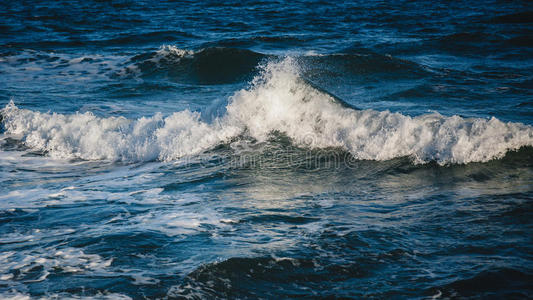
{"x":43,"y":64}
{"x":180,"y":221}
{"x":88,"y":137}
{"x":67,"y":260}
{"x":278,"y":100}
{"x":281,"y":101}
{"x":165,"y":53}
{"x":168,"y":50}
{"x":16,"y":295}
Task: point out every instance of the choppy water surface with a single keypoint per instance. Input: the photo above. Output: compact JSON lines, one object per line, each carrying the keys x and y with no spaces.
{"x":266,"y":150}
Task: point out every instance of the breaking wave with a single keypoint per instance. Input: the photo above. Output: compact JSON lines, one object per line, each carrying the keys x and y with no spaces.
{"x":278,"y":100}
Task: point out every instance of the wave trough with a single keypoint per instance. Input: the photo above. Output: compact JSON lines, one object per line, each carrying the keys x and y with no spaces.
{"x":278,"y":100}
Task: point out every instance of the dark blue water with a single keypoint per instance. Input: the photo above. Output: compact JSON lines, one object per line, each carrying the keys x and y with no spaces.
{"x":303,"y":149}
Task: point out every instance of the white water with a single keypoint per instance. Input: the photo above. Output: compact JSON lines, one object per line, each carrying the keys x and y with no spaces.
{"x":277,"y":100}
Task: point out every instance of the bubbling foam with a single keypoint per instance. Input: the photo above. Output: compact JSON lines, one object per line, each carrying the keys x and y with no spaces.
{"x":278,"y":100}
{"x":89,"y":137}
{"x":281,"y":101}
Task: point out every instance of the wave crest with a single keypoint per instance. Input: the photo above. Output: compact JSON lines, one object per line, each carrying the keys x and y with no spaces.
{"x":278,"y":100}
{"x":281,"y":101}
{"x":89,"y":137}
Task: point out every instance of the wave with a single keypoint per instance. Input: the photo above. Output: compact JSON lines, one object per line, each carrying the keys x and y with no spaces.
{"x":278,"y":100}
{"x":232,"y":278}
{"x":215,"y":65}
{"x":498,"y":283}
{"x":209,"y":65}
{"x":361,"y":62}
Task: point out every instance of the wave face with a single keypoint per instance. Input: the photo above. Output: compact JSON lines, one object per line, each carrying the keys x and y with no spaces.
{"x":211,"y":65}
{"x":278,"y":100}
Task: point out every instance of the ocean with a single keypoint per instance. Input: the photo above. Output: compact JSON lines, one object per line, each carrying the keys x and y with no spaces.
{"x":266,"y":149}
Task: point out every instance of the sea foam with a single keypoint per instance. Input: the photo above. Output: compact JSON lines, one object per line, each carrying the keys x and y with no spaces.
{"x":277,"y":100}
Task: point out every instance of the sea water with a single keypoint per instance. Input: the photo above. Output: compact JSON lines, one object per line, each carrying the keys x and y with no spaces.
{"x":303,"y":149}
